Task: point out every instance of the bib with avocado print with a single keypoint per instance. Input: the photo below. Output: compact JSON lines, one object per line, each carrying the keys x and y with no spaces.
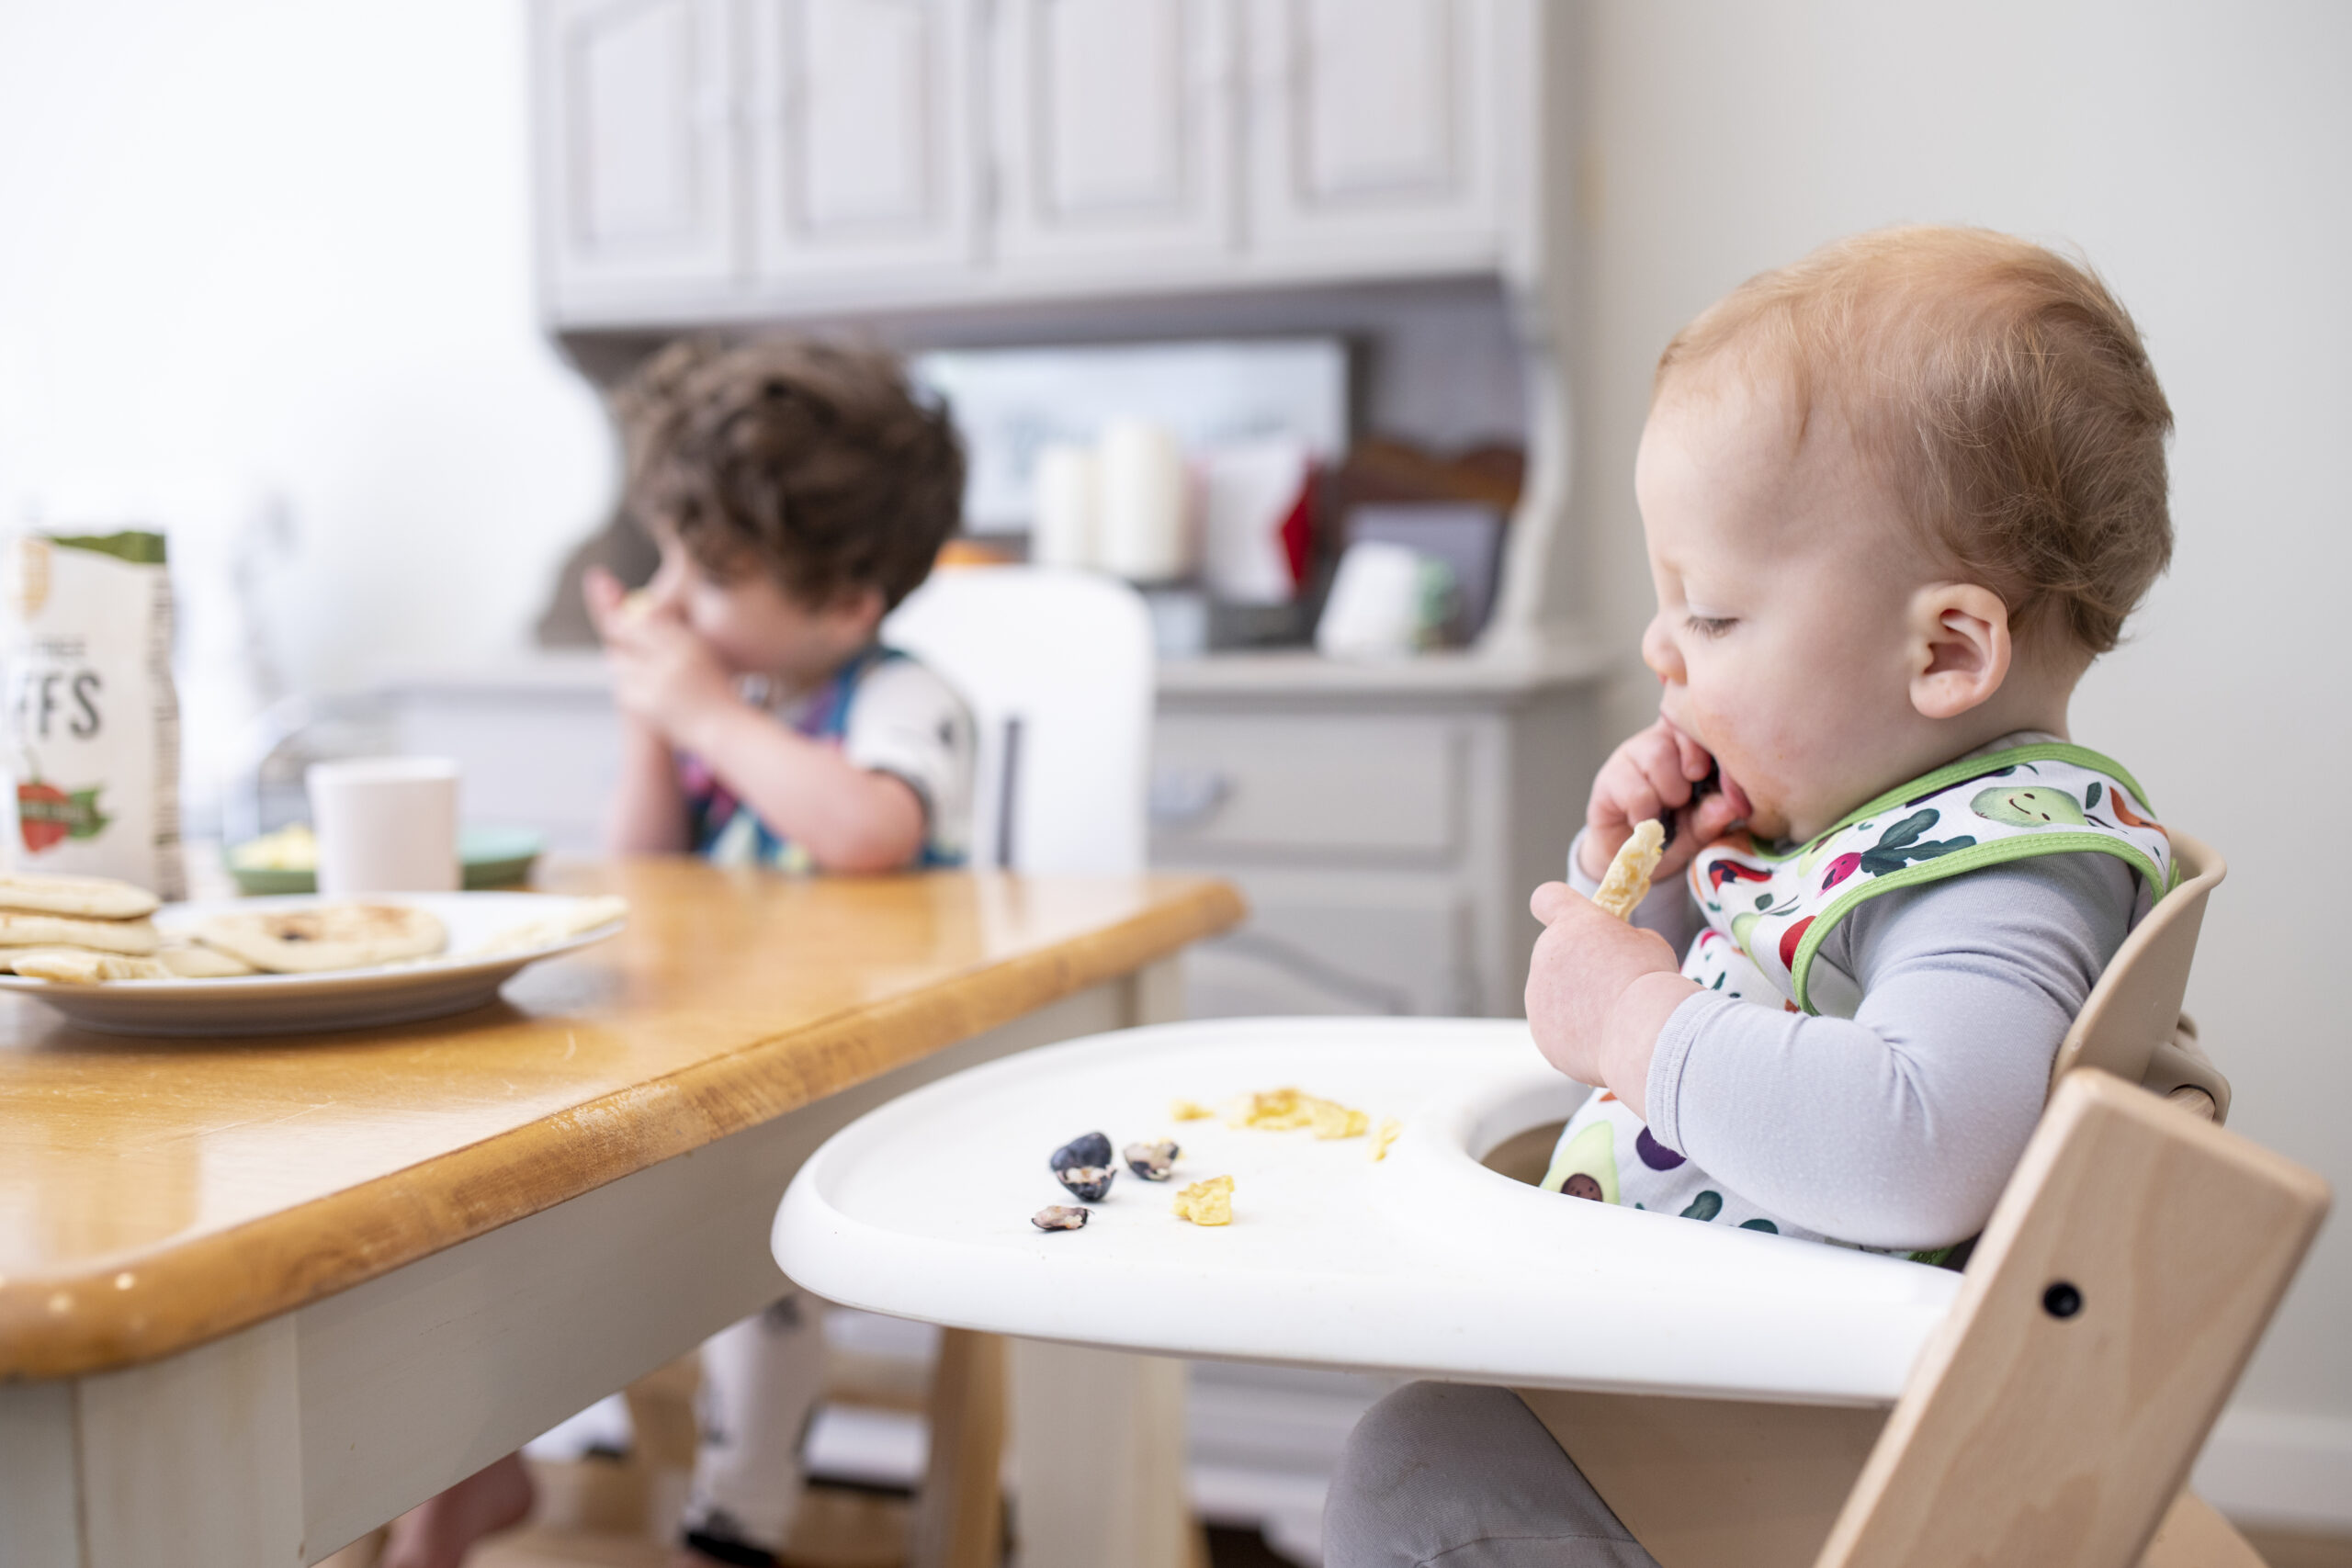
{"x":1768,"y":912}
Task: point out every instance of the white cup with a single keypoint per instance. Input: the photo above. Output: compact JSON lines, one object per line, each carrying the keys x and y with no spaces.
{"x":1374,"y":610}
{"x":386,"y":824}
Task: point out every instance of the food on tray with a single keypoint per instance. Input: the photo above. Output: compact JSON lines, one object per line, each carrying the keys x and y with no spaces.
{"x":584,"y":915}
{"x":1151,"y":1161}
{"x":91,"y":898}
{"x":1060,"y":1217}
{"x":1087,"y":1149}
{"x":82,"y":966}
{"x":136,"y":937}
{"x":1188,"y":1111}
{"x":1389,"y":1128}
{"x":292,"y":847}
{"x":1206,"y":1203}
{"x":1330,"y":1120}
{"x":315,"y":938}
{"x":192,"y":961}
{"x":1280,"y":1110}
{"x":1091,"y":1183}
{"x":1628,"y":882}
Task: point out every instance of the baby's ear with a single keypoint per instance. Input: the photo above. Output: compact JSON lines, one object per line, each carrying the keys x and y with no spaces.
{"x":1958,"y":649}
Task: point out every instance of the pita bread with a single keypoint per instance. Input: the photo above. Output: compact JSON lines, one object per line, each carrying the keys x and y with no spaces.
{"x":314,"y":938}
{"x":584,"y":915}
{"x":80,"y":966}
{"x":20,"y":929}
{"x":191,"y":961}
{"x":94,"y":897}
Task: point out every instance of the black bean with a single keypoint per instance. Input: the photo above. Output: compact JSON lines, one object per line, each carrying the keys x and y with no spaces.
{"x":1090,"y":1182}
{"x":1087,"y":1149}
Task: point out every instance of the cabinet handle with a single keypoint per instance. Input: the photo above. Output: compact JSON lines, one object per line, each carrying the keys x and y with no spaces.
{"x":1187,"y":797}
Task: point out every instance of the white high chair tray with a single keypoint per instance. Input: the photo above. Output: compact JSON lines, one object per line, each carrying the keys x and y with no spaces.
{"x":1426,"y":1263}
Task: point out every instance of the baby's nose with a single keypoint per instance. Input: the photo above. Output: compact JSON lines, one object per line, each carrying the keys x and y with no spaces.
{"x":1659,"y":653}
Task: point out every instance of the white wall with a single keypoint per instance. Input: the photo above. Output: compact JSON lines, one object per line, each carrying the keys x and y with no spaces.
{"x":266,"y":244}
{"x":2202,"y":157}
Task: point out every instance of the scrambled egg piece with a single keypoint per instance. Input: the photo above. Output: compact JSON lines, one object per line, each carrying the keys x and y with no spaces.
{"x":1282,"y":1109}
{"x":1206,"y":1203}
{"x":1389,"y":1128}
{"x":1189,"y":1110}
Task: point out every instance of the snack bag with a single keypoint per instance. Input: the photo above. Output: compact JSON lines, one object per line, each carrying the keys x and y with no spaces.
{"x":92,"y":719}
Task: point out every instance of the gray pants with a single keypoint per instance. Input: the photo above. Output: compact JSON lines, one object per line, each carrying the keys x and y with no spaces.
{"x":1447,"y":1475}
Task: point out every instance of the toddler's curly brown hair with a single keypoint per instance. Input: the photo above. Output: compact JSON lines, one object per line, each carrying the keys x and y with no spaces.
{"x":816,"y":463}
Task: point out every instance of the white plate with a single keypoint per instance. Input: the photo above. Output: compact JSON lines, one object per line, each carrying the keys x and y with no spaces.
{"x":346,"y":998}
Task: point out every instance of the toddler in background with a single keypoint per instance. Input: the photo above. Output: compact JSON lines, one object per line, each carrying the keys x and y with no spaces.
{"x":798,"y":493}
{"x":1897,"y":497}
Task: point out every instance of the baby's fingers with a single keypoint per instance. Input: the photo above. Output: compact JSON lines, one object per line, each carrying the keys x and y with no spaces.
{"x":1659,"y":759}
{"x":1694,"y":759}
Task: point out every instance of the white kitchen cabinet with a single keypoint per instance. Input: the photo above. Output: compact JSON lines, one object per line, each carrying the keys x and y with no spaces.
{"x":859,"y":142}
{"x":716,"y":162}
{"x":637,"y":157}
{"x":1114,"y":133}
{"x":1375,"y":131}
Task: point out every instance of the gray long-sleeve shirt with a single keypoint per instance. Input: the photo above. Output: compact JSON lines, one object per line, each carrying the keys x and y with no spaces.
{"x":1899,"y":1126}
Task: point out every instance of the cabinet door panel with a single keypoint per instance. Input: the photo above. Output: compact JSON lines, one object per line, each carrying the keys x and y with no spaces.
{"x":1374,"y":132}
{"x":861,"y":153}
{"x":1113,"y":129}
{"x":637,"y":156}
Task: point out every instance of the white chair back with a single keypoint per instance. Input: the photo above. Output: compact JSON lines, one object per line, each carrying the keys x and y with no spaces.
{"x":1057,"y":666}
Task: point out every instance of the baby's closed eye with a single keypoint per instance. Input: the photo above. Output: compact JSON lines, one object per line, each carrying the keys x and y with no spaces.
{"x":1711,"y":626}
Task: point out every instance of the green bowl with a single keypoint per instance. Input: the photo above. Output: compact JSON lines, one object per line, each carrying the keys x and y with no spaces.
{"x":492,"y":857}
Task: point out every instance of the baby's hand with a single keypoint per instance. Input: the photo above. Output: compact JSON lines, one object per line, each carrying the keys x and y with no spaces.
{"x":1655,"y":773}
{"x":1597,"y":992}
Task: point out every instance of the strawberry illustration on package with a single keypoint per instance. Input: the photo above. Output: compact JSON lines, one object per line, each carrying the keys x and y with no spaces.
{"x":92,"y":717}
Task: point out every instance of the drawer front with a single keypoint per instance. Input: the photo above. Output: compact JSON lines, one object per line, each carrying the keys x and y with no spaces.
{"x":1337,"y":943}
{"x":1289,"y":782}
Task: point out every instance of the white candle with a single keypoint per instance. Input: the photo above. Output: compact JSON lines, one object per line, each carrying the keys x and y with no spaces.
{"x":1140,"y":481}
{"x":1065,"y":526}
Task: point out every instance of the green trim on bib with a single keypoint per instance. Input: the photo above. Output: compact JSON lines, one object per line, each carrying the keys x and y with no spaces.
{"x":1976,"y":857}
{"x":1969,"y":768}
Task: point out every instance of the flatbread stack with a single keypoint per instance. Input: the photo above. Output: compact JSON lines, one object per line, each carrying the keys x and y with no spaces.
{"x":76,"y":921}
{"x":88,"y":930}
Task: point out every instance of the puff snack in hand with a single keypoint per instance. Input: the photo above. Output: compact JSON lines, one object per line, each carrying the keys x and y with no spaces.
{"x":1628,"y":882}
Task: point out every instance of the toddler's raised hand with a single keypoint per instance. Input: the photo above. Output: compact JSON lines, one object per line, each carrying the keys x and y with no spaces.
{"x":663,"y":675}
{"x":1655,"y":773}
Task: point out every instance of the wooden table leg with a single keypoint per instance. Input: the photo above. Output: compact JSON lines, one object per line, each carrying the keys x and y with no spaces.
{"x":959,"y":1516}
{"x":1097,"y":1445}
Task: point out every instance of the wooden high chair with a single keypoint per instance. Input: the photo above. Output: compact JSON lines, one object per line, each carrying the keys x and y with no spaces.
{"x":1727,"y":1394}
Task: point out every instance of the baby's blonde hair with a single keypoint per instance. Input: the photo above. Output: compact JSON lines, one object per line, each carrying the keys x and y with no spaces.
{"x":2000,"y":387}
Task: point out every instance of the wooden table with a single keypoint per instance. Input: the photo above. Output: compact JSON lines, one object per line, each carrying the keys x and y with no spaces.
{"x":257,"y":1297}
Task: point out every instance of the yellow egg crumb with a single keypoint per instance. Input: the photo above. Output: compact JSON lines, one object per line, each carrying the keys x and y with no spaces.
{"x":1389,"y":1128}
{"x":1334,"y":1120}
{"x":1189,"y":1110}
{"x":1208,"y":1203}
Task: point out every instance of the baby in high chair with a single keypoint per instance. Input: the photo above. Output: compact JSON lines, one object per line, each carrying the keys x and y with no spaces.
{"x":1897,"y":497}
